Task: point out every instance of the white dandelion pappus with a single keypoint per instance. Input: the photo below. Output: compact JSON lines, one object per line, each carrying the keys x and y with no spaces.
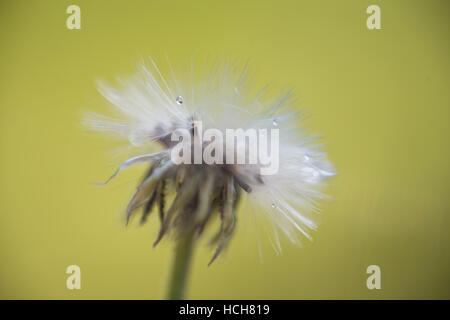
{"x":152,"y":108}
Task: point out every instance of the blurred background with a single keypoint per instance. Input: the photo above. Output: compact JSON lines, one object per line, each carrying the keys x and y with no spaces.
{"x":380,"y":99}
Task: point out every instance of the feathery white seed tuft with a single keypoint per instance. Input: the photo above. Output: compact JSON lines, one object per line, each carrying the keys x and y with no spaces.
{"x":152,"y":107}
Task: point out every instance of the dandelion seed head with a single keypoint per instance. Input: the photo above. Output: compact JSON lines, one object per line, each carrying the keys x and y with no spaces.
{"x":152,"y":107}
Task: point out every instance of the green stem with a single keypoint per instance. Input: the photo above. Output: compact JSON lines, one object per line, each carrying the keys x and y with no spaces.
{"x":180,"y":268}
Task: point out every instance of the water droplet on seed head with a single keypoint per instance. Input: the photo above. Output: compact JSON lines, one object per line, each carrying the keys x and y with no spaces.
{"x":179,"y":100}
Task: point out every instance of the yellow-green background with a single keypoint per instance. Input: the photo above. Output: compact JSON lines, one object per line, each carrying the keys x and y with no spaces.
{"x":380,"y":99}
